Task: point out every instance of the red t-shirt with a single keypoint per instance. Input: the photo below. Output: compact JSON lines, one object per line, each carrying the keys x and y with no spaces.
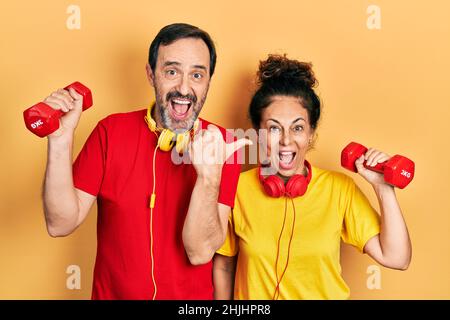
{"x":115,"y":165}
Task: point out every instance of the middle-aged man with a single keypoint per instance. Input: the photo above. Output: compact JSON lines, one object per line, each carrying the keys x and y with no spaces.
{"x":159,"y":222}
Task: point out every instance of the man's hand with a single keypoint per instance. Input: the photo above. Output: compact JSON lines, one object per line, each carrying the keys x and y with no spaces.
{"x":70,"y":102}
{"x":208,"y":152}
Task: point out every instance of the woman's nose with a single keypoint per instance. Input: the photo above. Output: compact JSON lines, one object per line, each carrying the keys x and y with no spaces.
{"x":285,"y":138}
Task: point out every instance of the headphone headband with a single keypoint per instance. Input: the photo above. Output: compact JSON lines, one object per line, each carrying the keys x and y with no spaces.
{"x":296,"y":186}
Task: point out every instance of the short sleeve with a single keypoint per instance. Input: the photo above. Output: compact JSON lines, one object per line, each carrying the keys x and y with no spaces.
{"x":89,"y":166}
{"x":230,"y":246}
{"x":230,"y":175}
{"x":361,"y":221}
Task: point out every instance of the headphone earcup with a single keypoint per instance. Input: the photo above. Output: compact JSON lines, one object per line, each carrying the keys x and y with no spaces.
{"x":182,"y":142}
{"x":296,"y":186}
{"x":165,"y":140}
{"x":274,"y":186}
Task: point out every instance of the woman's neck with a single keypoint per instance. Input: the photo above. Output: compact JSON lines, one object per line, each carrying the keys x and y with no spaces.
{"x":302,"y":170}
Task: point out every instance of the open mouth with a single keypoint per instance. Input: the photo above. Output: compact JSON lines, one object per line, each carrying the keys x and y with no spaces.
{"x":179,"y":108}
{"x":286,"y":159}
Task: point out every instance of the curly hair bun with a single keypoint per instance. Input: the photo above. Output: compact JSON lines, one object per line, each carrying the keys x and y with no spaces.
{"x":280,"y":68}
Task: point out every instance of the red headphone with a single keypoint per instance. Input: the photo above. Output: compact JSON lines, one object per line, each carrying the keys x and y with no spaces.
{"x":296,"y":186}
{"x":274,"y":187}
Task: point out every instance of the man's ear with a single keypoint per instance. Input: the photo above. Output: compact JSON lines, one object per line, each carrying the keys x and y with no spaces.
{"x":150,"y":75}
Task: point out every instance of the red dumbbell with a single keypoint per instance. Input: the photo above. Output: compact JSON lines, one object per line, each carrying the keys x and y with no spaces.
{"x":398,"y":170}
{"x":42,"y":120}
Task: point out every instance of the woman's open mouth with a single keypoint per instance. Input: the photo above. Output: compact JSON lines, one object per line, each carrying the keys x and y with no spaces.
{"x":286,"y":159}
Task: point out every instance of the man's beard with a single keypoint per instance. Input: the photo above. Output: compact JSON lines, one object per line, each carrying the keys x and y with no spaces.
{"x":176,"y":125}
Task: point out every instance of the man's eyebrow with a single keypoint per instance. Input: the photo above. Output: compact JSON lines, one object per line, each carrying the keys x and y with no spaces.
{"x":200,"y":66}
{"x":171,"y":63}
{"x":176,"y":63}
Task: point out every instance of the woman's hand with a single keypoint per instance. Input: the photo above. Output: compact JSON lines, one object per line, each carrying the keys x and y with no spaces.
{"x":392,"y":246}
{"x":372,"y":157}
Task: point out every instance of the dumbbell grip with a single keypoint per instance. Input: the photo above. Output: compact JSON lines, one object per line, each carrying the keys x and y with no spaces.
{"x":87,"y":102}
{"x":59,"y":113}
{"x":79,"y":88}
{"x":42,"y":119}
{"x":379,"y":167}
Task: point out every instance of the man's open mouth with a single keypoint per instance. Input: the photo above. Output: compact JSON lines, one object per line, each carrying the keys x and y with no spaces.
{"x":179,"y":108}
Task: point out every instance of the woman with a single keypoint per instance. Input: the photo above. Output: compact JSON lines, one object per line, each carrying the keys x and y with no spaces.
{"x":285,"y":230}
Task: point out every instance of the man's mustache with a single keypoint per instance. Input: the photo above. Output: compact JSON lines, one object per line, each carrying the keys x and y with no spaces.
{"x":176,"y":94}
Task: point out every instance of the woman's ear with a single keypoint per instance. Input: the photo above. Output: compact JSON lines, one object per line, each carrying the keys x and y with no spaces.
{"x":312,"y":139}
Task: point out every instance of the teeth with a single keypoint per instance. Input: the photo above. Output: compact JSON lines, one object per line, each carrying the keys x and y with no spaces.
{"x":286,"y":156}
{"x":181,"y":101}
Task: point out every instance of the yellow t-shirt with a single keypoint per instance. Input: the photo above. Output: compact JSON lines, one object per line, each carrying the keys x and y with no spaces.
{"x":332,"y":208}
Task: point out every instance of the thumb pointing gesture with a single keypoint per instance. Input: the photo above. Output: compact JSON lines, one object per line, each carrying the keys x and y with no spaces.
{"x":232,"y":147}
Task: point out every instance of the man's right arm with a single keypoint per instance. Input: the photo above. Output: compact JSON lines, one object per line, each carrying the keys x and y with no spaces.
{"x":65,"y":206}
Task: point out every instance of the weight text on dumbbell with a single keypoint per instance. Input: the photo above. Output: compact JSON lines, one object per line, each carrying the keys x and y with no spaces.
{"x":406,"y":174}
{"x":37,"y":124}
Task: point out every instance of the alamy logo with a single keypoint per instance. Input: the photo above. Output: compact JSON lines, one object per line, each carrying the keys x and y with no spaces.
{"x":73,"y":21}
{"x":374,"y":279}
{"x":74,"y":280}
{"x":374,"y":18}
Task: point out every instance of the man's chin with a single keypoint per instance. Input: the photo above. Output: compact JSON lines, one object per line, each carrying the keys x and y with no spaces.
{"x":181,"y":126}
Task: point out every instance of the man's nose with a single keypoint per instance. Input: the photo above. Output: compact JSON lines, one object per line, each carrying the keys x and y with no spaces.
{"x":183,"y":85}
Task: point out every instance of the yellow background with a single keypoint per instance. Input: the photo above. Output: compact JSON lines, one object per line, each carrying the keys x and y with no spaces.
{"x":385,"y":88}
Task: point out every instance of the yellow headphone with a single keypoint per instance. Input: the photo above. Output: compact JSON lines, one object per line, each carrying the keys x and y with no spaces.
{"x":167,"y":137}
{"x":166,"y":140}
